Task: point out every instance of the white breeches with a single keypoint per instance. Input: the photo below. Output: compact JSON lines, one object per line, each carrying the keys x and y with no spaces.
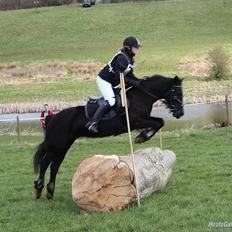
{"x":106,"y":90}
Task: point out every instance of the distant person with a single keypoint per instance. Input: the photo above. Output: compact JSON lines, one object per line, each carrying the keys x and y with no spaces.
{"x":46,"y":112}
{"x":88,"y":3}
{"x":109,"y":77}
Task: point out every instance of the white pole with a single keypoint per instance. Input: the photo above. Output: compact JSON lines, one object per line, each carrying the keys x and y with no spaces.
{"x":124,"y":101}
{"x":160,"y":131}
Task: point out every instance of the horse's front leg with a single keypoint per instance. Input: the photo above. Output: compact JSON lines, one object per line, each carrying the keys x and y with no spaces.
{"x":152,"y":125}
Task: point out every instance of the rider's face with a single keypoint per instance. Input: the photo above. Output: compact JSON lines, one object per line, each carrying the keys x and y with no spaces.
{"x":46,"y":108}
{"x":135,"y":50}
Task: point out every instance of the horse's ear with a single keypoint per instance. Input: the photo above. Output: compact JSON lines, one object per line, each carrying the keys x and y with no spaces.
{"x":177,"y":80}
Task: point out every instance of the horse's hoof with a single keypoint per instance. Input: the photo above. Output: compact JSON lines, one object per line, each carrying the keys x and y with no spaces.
{"x":37,"y":194}
{"x":139,"y":139}
{"x":50,"y":190}
{"x":49,"y":196}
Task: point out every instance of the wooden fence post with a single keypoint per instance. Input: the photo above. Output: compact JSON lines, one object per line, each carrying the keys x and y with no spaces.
{"x":227,"y":111}
{"x":18,"y":128}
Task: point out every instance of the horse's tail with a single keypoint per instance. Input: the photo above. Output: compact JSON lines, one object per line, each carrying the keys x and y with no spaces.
{"x":39,"y":154}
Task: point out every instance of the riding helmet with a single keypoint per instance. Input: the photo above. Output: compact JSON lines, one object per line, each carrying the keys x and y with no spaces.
{"x":131,"y":41}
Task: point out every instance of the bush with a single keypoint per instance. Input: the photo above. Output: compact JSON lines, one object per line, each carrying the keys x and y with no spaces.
{"x":220,"y":60}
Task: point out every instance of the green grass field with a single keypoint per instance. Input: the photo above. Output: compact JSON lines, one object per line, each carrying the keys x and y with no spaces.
{"x":170,"y":31}
{"x":198,"y":192}
{"x":200,"y":188}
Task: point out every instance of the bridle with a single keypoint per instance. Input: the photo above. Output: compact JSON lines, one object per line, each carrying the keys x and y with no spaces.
{"x":172,"y":93}
{"x":173,"y":96}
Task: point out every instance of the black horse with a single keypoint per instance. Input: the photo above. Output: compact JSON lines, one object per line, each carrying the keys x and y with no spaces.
{"x":69,"y":124}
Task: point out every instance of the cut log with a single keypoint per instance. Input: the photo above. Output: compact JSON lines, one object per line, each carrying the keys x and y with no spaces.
{"x":153,"y":169}
{"x":102,"y":183}
{"x":106,"y":183}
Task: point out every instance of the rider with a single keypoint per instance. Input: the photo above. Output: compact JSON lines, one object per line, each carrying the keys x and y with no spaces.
{"x":109,"y":77}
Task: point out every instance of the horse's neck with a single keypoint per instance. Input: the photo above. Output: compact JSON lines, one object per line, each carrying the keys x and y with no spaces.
{"x":158,"y":87}
{"x":140,"y":100}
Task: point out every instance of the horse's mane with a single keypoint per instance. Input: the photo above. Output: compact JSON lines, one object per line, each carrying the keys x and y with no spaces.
{"x":156,"y":77}
{"x":158,"y":80}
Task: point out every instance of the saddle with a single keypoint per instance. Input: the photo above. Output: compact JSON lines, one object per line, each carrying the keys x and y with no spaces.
{"x":94,"y":102}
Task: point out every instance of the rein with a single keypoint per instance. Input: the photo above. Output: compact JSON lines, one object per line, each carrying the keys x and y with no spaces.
{"x":155,"y":97}
{"x":148,"y":93}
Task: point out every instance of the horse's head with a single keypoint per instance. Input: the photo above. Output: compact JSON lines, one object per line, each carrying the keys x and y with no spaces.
{"x":160,"y":87}
{"x":174,"y":98}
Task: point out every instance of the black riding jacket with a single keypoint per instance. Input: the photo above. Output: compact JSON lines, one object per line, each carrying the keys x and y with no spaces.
{"x":122,"y":62}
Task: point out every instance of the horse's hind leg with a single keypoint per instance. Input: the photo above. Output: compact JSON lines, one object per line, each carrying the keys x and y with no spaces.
{"x":53,"y":172}
{"x":39,"y":184}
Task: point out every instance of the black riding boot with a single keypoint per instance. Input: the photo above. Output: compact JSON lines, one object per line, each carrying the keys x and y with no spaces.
{"x":101,"y":111}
